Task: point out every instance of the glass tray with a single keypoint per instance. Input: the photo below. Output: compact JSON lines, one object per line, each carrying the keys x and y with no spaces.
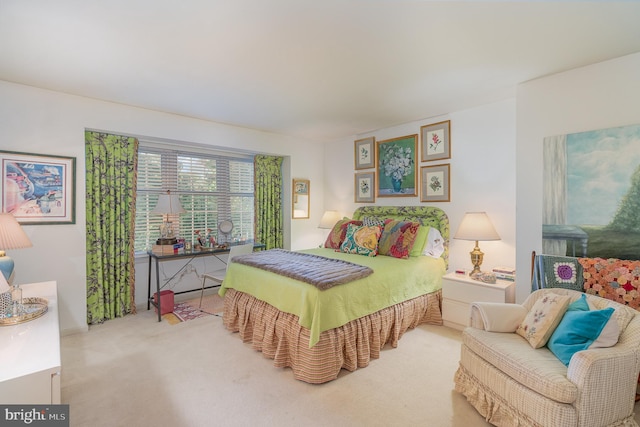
{"x":33,"y":308}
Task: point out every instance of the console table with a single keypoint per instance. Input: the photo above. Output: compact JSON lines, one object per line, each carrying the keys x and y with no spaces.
{"x":188,"y":256}
{"x":30,"y":352}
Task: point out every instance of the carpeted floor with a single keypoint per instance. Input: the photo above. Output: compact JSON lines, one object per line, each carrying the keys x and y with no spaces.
{"x":136,"y":371}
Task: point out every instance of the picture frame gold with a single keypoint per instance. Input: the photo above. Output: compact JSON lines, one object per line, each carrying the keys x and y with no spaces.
{"x":300,"y":199}
{"x":364,"y":186}
{"x":365,"y":153}
{"x":435,"y":141}
{"x":435,"y":183}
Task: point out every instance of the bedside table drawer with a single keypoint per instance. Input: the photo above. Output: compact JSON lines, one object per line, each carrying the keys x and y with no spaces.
{"x":457,"y":314}
{"x":466,"y":292}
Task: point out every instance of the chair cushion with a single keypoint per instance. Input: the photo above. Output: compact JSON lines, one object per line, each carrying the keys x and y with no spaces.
{"x":537,"y":369}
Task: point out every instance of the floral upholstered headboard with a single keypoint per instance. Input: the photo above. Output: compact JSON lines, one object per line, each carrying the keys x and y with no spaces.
{"x":425,"y":215}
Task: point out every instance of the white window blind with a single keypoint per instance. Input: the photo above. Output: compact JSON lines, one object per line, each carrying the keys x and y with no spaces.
{"x":211,"y":188}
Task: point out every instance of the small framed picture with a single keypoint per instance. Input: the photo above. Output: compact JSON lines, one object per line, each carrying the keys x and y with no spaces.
{"x":365,"y":153}
{"x":434,"y":183}
{"x":38,"y":188}
{"x":436,"y":141}
{"x":364,"y":187}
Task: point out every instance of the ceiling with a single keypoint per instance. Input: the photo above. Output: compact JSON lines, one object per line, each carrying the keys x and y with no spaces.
{"x":321,"y":69}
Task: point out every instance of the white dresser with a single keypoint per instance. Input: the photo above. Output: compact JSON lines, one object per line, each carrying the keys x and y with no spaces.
{"x":30,"y":353}
{"x":459,"y":291}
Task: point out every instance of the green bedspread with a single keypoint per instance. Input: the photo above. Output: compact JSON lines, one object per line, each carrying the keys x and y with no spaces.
{"x":393,"y":281}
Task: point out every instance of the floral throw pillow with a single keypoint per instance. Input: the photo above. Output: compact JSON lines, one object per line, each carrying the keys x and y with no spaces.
{"x":361,"y":240}
{"x":543,"y":318}
{"x":398,"y":238}
{"x":338,"y":233}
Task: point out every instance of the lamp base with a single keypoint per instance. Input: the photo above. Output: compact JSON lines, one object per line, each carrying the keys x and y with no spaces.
{"x":476,"y":259}
{"x":6,"y":267}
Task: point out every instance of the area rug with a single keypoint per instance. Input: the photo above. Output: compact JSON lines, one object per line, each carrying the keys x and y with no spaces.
{"x":188,"y":310}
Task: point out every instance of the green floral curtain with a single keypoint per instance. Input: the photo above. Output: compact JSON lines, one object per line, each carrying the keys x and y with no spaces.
{"x":111,"y":163}
{"x":268,"y":201}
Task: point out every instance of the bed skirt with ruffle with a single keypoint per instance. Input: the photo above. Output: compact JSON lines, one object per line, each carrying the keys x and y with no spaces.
{"x":351,"y":346}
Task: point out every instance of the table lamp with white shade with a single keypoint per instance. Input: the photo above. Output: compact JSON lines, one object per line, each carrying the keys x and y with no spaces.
{"x":476,"y":226}
{"x":168,"y":204}
{"x":329,"y":219}
{"x":12,"y":236}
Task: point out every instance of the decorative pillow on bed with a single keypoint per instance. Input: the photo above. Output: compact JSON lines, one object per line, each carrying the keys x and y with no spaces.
{"x":435,"y":244}
{"x":361,"y":240}
{"x":371,"y":221}
{"x":543,"y":318}
{"x":421,"y":241}
{"x":338,"y":233}
{"x":397,"y":238}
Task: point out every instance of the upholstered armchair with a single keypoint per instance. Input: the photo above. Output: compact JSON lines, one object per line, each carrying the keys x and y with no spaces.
{"x":510,"y":375}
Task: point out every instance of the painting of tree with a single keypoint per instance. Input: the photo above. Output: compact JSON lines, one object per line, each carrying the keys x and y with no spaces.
{"x":591,"y":193}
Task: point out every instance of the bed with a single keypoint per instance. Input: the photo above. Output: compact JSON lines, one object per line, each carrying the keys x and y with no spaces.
{"x":317,"y":333}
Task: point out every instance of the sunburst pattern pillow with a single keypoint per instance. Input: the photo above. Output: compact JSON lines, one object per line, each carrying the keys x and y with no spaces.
{"x":361,"y":240}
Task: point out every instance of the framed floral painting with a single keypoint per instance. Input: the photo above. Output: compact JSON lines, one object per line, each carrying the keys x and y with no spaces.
{"x":365,"y":154}
{"x":364,"y":187}
{"x":396,"y":172}
{"x":434,"y":183}
{"x":436,"y":141}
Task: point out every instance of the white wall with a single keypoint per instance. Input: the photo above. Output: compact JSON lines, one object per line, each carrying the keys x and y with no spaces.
{"x":598,"y":96}
{"x":482,"y":177}
{"x":46,"y":122}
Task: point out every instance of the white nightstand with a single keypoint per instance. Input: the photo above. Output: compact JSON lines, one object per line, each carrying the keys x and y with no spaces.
{"x":459,"y":291}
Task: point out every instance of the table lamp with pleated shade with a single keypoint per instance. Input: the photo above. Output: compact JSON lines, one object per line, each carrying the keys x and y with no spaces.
{"x":476,"y":226}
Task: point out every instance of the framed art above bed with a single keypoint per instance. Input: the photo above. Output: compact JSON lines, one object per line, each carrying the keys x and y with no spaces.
{"x":396,"y":174}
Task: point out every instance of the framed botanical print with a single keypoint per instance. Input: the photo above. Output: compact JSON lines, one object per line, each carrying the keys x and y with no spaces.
{"x":365,"y":155}
{"x":434,"y":183}
{"x":435,"y":141}
{"x":364,"y":187}
{"x":396,"y":172}
{"x":38,"y":188}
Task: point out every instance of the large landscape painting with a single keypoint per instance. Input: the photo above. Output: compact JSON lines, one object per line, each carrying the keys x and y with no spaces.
{"x":592,"y":193}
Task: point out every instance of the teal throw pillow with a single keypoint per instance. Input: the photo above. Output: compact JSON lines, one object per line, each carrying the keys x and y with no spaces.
{"x":577,"y":330}
{"x":579,"y":304}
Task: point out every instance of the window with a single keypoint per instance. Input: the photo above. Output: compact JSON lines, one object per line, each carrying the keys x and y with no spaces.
{"x":211,"y":187}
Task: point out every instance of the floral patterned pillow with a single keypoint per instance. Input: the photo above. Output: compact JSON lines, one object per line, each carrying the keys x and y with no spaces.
{"x":338,"y":233}
{"x":543,"y":318}
{"x":398,"y":238}
{"x":361,"y":240}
